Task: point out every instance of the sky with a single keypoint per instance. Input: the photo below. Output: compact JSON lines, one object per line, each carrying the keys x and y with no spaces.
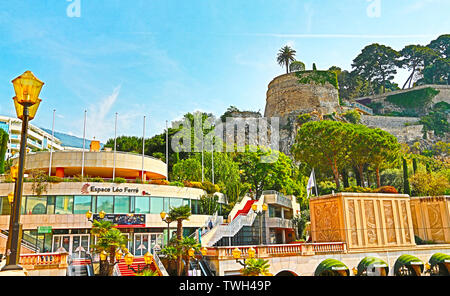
{"x":164,"y":58}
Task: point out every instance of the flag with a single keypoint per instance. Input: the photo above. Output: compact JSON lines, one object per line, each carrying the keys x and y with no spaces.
{"x":311,"y":183}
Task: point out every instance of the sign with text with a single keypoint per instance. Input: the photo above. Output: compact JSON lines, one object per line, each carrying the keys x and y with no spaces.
{"x":124,"y":220}
{"x":44,"y":229}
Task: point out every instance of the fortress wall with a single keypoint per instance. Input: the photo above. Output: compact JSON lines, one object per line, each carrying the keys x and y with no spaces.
{"x":285,"y":96}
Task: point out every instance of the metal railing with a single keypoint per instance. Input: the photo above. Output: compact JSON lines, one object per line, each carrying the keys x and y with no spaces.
{"x":24,"y":243}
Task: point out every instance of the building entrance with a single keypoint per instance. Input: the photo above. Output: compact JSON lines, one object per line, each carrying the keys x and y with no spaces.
{"x":77,"y":245}
{"x":145,"y":242}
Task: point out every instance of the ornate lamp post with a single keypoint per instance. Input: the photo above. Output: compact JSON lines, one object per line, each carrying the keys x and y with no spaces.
{"x":203,"y":252}
{"x":27,"y":88}
{"x":148,"y":259}
{"x":260,"y":213}
{"x":89,"y":214}
{"x":237,"y":255}
{"x":166,"y":219}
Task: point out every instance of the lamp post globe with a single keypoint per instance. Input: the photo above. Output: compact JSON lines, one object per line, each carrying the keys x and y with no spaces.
{"x":26,"y":102}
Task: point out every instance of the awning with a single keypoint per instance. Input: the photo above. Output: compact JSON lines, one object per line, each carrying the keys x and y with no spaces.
{"x":443,"y":261}
{"x":331,"y":265}
{"x":409,"y":261}
{"x":370,"y":262}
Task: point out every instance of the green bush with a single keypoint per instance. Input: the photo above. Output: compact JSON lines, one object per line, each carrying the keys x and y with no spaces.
{"x":97,"y":180}
{"x":413,"y":99}
{"x":318,"y":77}
{"x":357,"y":189}
{"x":326,"y":187}
{"x":119,"y":180}
{"x":352,"y":116}
{"x":176,"y":183}
{"x":209,"y":187}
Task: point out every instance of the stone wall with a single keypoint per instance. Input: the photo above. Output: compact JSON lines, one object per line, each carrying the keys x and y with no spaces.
{"x":286,"y":96}
{"x":405,"y":129}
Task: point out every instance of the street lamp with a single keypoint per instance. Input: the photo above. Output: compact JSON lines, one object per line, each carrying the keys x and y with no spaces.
{"x":203,"y":252}
{"x":165,"y":217}
{"x":26,"y":102}
{"x":89,"y":215}
{"x":148,"y":259}
{"x":238,"y":253}
{"x":260,"y":213}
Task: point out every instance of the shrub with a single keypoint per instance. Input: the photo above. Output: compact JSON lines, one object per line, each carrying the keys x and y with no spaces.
{"x":119,"y":180}
{"x":54,"y":179}
{"x":187,"y":184}
{"x":198,"y":185}
{"x":386,"y":189}
{"x":357,"y":189}
{"x":159,"y":182}
{"x":352,"y":116}
{"x":326,"y":187}
{"x":209,"y":187}
{"x":97,"y":179}
{"x":176,"y":183}
{"x":430,"y":184}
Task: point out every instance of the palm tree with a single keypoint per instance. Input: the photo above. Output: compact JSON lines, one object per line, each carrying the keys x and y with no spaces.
{"x":180,"y":214}
{"x":286,"y":56}
{"x":256,"y":267}
{"x":110,"y":240}
{"x":186,"y":244}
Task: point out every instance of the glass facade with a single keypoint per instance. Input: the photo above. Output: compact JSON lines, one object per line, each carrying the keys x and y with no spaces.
{"x":80,"y":204}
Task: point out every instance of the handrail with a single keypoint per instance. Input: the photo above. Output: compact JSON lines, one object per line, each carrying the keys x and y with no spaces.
{"x":160,"y":264}
{"x":45,"y":259}
{"x":25,"y":243}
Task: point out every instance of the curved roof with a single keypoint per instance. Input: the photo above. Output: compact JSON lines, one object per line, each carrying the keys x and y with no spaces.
{"x":407,"y":260}
{"x":371,"y":262}
{"x":97,"y":164}
{"x":330,"y":265}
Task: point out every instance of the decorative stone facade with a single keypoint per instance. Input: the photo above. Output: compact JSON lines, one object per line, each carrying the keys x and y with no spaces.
{"x":431,"y":218}
{"x":362,"y":220}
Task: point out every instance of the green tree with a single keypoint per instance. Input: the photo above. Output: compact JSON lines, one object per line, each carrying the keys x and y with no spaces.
{"x":188,"y":170}
{"x":256,"y":267}
{"x":321,"y":145}
{"x":110,"y":240}
{"x":406,"y":187}
{"x":441,"y":45}
{"x":4,"y":138}
{"x":264,"y":169}
{"x":415,"y":58}
{"x":297,"y":66}
{"x":179,"y":214}
{"x":186,"y":244}
{"x":286,"y":55}
{"x":377,"y":64}
{"x":209,"y":204}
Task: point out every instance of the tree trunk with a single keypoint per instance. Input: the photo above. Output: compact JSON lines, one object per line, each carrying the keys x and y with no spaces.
{"x":179,"y":237}
{"x":345,"y":178}
{"x":378,"y":177}
{"x":361,"y":174}
{"x":186,"y":268}
{"x":287,"y":67}
{"x":357,"y":176}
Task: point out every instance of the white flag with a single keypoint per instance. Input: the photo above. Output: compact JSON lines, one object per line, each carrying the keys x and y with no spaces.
{"x":311,"y":183}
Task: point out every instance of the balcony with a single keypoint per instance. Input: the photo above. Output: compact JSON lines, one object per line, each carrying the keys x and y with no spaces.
{"x":276,"y":222}
{"x":274,"y":197}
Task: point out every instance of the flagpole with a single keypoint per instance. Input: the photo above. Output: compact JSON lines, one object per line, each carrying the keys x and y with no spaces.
{"x":212,"y":160}
{"x":167,"y":151}
{"x":84,"y":145}
{"x":143,"y":147}
{"x":315,"y":182}
{"x":115,"y":148}
{"x":203,"y":174}
{"x":51,"y":146}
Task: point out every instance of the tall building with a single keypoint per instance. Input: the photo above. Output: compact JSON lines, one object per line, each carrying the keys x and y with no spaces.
{"x":38,"y":139}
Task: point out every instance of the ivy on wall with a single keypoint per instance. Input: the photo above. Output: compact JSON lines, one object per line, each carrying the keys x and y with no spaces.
{"x":414,"y":99}
{"x":317,"y":77}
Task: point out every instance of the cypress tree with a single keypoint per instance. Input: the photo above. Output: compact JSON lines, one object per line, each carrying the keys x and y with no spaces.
{"x":406,"y":188}
{"x":4,"y":137}
{"x":415,"y":165}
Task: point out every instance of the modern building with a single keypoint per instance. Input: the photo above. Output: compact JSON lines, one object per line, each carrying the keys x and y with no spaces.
{"x":55,"y":220}
{"x":38,"y":139}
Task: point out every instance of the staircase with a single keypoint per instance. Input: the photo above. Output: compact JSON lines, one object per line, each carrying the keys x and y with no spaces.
{"x":123,"y":270}
{"x":28,"y":246}
{"x":80,"y":267}
{"x":243,"y":217}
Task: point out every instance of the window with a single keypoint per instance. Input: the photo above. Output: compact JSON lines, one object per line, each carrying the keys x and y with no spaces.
{"x":50,"y":205}
{"x":176,"y":202}
{"x":36,"y":205}
{"x":166,"y":204}
{"x":142,"y":205}
{"x":121,"y":204}
{"x":156,"y":205}
{"x":81,"y":204}
{"x":64,"y":205}
{"x":5,"y":207}
{"x":195,"y":207}
{"x":105,"y":203}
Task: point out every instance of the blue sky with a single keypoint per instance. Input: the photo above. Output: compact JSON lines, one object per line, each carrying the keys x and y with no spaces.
{"x":165,"y":58}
